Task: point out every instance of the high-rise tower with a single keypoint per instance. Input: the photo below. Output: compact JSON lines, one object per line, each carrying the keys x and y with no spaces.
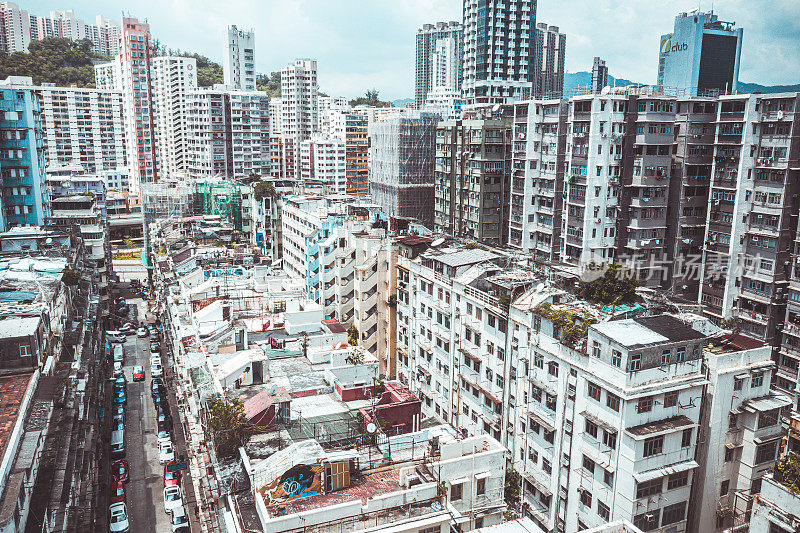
{"x":239,"y":65}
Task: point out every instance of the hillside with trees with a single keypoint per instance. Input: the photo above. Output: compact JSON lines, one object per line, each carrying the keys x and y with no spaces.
{"x":208,"y":72}
{"x":54,"y":60}
{"x":271,"y":83}
{"x":370,"y":98}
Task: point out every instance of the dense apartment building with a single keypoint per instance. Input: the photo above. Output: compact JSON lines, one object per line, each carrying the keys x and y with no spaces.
{"x":238,"y":59}
{"x":22,"y":158}
{"x":620,"y":421}
{"x":498,"y":51}
{"x":599,"y":75}
{"x":18,"y":28}
{"x":81,"y":126}
{"x":537,"y":178}
{"x":549,"y":51}
{"x":323,"y":164}
{"x":130,"y":72}
{"x":752,"y":212}
{"x":299,"y":89}
{"x":439,"y":59}
{"x":228,"y":132}
{"x":401,"y":161}
{"x":472,"y":176}
{"x":356,"y":139}
{"x":173,"y":79}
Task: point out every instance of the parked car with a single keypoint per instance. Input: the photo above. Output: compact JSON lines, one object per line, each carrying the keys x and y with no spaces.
{"x":119,"y":415}
{"x":155,"y":347}
{"x":154,"y":335}
{"x":128,"y":328}
{"x":119,"y":470}
{"x":120,"y":396}
{"x":138,"y":373}
{"x":115,"y":336}
{"x":166,"y":452}
{"x":171,"y":478}
{"x":117,"y":491}
{"x":118,"y":518}
{"x":179,"y":520}
{"x":141,"y":332}
{"x":172,"y":498}
{"x":119,"y":353}
{"x":118,"y":426}
{"x":164,"y":432}
{"x":156,"y":386}
{"x":156,"y":370}
{"x":155,"y":358}
{"x":117,"y":369}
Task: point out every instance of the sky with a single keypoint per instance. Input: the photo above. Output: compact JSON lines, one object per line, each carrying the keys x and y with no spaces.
{"x":364,"y":44}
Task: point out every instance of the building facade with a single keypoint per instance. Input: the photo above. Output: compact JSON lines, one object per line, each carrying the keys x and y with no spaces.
{"x":323,"y":164}
{"x":401,"y":162}
{"x":22,"y":158}
{"x":228,"y":133}
{"x":238,"y":59}
{"x":700,"y":56}
{"x":173,"y":79}
{"x":599,"y":75}
{"x":472,"y":174}
{"x":549,"y":51}
{"x":498,"y":51}
{"x":439,"y":59}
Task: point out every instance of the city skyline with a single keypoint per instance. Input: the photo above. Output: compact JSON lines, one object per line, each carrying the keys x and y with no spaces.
{"x":381,"y":53}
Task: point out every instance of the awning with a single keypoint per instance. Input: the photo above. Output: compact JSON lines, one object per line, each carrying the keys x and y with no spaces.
{"x":459,"y":481}
{"x":541,"y":487}
{"x":766,"y":403}
{"x":656,"y":473}
{"x":769,"y":438}
{"x":483,"y":475}
{"x":541,"y":421}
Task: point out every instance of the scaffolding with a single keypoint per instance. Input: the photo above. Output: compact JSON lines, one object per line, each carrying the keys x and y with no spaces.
{"x":169,"y":198}
{"x":219,"y":197}
{"x":402,"y":155}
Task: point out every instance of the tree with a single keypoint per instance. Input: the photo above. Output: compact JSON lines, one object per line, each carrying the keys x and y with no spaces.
{"x":617,"y":285}
{"x":57,"y":60}
{"x":352,"y":335}
{"x":70,"y":277}
{"x":227,"y":427}
{"x":370,"y":98}
{"x":271,"y":83}
{"x":787,"y":472}
{"x":264,"y":189}
{"x":513,"y":483}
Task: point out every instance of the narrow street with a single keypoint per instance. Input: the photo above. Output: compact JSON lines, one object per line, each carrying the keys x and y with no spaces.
{"x":145,"y":489}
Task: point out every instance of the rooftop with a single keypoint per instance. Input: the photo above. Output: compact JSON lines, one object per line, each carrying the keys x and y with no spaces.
{"x":659,"y":426}
{"x":640,"y":332}
{"x":12,"y":392}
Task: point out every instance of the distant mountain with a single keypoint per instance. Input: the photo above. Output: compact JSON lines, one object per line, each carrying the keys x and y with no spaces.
{"x":401,"y":101}
{"x":573,"y":80}
{"x":743,"y":87}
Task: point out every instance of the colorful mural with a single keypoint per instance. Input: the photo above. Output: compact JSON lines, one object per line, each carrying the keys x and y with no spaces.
{"x":300,"y":481}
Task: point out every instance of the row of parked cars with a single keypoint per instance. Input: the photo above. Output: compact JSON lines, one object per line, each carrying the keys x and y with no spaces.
{"x":173,"y":497}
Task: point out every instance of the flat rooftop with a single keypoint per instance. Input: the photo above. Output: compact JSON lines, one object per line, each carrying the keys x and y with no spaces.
{"x":641,"y":332}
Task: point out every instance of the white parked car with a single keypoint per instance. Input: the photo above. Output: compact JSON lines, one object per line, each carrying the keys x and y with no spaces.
{"x":173,"y":499}
{"x":118,"y":518}
{"x":179,"y":519}
{"x":156,"y":371}
{"x":141,"y":332}
{"x":155,"y":359}
{"x":166,"y":452}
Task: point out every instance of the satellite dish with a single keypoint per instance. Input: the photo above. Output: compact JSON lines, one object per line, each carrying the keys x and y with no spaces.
{"x":540,"y":287}
{"x":495,"y":108}
{"x":371,"y":428}
{"x":273,"y":390}
{"x":437,"y":242}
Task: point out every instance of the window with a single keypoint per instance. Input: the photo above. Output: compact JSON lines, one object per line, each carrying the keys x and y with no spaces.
{"x":680,"y":479}
{"x":608,"y":478}
{"x":616,"y":357}
{"x":480,"y":488}
{"x":546,"y":466}
{"x":737,"y":384}
{"x":665,"y":357}
{"x":671,"y":399}
{"x":591,"y":428}
{"x":634,"y":362}
{"x":680,"y":355}
{"x":586,"y":497}
{"x":610,"y":439}
{"x":647,"y":521}
{"x":456,"y":491}
{"x":686,"y":438}
{"x":674,"y":513}
{"x":653,"y":446}
{"x":593,"y":391}
{"x":596,"y":349}
{"x":538,"y":360}
{"x":612,"y":401}
{"x":588,"y":464}
{"x":649,"y":488}
{"x":25,"y":350}
{"x":603,"y":511}
{"x":723,"y":487}
{"x":729,"y":454}
{"x":645,"y":405}
{"x":757,"y":380}
{"x":766,"y":452}
{"x":552,"y":368}
{"x":768,"y":418}
{"x":550,"y":401}
{"x":733,"y":420}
